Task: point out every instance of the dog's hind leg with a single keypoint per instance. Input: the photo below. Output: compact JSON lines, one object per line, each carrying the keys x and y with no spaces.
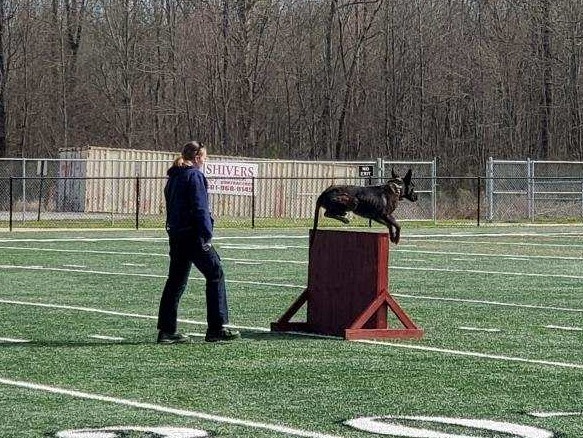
{"x":337,"y":216}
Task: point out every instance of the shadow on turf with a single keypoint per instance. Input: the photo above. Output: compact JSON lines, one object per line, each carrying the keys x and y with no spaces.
{"x":272,"y":336}
{"x":245,"y":336}
{"x":72,"y":343}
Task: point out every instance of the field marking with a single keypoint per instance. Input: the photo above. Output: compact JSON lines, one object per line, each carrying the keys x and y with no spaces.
{"x":107,"y":338}
{"x":558,"y":327}
{"x":478,"y":329}
{"x":481,"y":254}
{"x":164,"y":409}
{"x":116,"y":313}
{"x":491,"y":303}
{"x":478,"y":242}
{"x":397,"y":250}
{"x":258,"y":247}
{"x":478,"y":271}
{"x":147,"y":239}
{"x":297,"y":286}
{"x":267,"y":330}
{"x":13,"y":340}
{"x":474,"y":354}
{"x":129,"y":274}
{"x":142,"y":254}
{"x":406,"y":268}
{"x":554,"y":414}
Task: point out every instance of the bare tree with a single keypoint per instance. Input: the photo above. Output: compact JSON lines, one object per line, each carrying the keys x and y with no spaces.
{"x":4,"y":22}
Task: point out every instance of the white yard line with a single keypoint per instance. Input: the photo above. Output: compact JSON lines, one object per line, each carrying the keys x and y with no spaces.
{"x":407,"y":268}
{"x":141,"y":254}
{"x":478,"y":329}
{"x":299,"y":286}
{"x":265,"y":247}
{"x":128,"y":274}
{"x":478,"y":242}
{"x":555,"y":414}
{"x":478,"y":271}
{"x":481,"y":254}
{"x":489,"y":303}
{"x":474,"y":354}
{"x":148,"y":239}
{"x":558,"y":327}
{"x":13,"y":340}
{"x":264,"y":330}
{"x":164,"y":409}
{"x":107,"y":338}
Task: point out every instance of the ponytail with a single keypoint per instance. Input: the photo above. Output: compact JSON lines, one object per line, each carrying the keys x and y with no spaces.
{"x":189,"y":152}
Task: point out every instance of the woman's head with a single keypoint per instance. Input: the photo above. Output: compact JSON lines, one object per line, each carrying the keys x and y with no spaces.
{"x":193,"y":153}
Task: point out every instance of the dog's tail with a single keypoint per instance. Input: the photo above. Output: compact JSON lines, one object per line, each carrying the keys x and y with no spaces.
{"x":316,"y":217}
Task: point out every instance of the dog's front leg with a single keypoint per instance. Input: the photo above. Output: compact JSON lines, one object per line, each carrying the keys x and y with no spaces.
{"x":394,"y":229}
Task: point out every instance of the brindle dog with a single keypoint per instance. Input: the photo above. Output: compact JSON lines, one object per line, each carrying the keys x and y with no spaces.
{"x":375,"y":202}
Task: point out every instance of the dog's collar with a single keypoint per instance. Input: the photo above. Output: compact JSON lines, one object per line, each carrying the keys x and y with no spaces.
{"x":397,"y":187}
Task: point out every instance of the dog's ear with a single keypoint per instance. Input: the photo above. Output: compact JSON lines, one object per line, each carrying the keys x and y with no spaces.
{"x":408,"y":176}
{"x":393,"y":174}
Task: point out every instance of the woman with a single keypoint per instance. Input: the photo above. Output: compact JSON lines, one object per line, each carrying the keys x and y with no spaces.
{"x":190,"y":229}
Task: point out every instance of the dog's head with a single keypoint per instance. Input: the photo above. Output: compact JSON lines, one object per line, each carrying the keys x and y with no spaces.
{"x":406,"y":186}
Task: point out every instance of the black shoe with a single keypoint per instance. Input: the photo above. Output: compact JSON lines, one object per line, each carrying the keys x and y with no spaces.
{"x":171,"y":338}
{"x":223,"y":334}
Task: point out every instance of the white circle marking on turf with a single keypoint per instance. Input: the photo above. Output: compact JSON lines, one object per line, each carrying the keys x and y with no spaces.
{"x":380,"y":426}
{"x":165,"y":409}
{"x":109,"y":432}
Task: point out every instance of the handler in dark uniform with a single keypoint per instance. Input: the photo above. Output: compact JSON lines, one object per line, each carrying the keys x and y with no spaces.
{"x":190,"y":229}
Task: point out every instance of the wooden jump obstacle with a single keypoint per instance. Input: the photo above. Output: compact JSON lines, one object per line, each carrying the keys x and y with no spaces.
{"x":347,"y":293}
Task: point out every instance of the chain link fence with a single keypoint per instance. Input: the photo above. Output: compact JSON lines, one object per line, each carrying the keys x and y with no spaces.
{"x":49,"y":202}
{"x":534,"y":190}
{"x":35,"y":194}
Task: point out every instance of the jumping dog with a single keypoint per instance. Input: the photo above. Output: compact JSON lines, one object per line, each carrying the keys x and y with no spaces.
{"x":376,"y":202}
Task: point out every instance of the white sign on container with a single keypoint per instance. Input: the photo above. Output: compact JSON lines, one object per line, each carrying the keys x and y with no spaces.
{"x":230,"y":178}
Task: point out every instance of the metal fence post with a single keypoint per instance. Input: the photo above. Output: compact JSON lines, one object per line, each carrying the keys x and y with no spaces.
{"x":479,"y":198}
{"x":11,"y":202}
{"x":40,"y":188}
{"x":380,"y":170}
{"x":137,"y":202}
{"x":23,"y":189}
{"x":490,"y":188}
{"x":434,"y":190}
{"x":253,"y":202}
{"x":530,"y":188}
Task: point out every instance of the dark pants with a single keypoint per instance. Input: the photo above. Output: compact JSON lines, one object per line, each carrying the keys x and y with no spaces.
{"x":186,"y":249}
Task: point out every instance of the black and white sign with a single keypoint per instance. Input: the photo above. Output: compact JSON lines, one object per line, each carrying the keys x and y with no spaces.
{"x":366,"y":171}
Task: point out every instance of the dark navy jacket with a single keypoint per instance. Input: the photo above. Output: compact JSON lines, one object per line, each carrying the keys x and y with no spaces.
{"x":187,"y":207}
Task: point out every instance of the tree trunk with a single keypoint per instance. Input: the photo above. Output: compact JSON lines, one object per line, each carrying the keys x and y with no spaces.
{"x":547,"y":92}
{"x":3,"y":143}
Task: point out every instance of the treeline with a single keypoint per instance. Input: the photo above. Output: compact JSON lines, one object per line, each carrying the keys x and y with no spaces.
{"x":459,"y":80}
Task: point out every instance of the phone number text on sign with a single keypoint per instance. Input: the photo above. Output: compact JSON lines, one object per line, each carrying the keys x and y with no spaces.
{"x":230,"y":178}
